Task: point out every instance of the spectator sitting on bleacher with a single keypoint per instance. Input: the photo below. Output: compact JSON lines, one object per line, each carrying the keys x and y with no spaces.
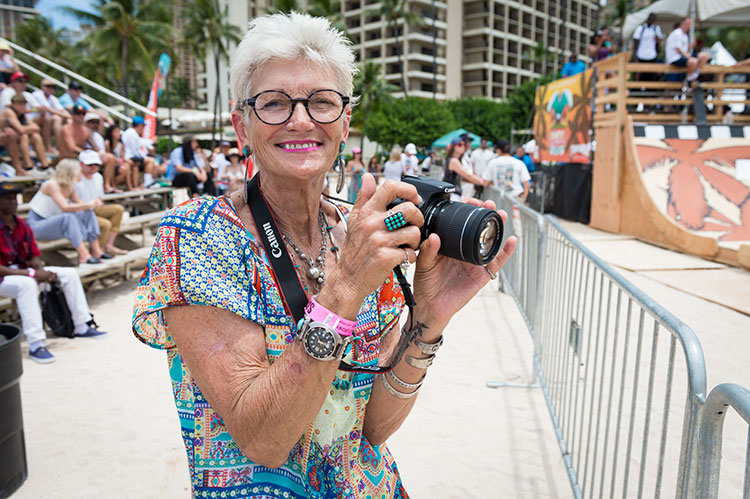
{"x":136,"y":150}
{"x":14,"y":117}
{"x":55,"y":113}
{"x":113,"y":143}
{"x":74,"y":136}
{"x":190,"y":164}
{"x":72,"y":97}
{"x":233,"y":175}
{"x":8,"y":64}
{"x":677,"y":51}
{"x":21,"y":272}
{"x":113,"y":175}
{"x":56,"y":212}
{"x":35,"y":111}
{"x":91,"y":186}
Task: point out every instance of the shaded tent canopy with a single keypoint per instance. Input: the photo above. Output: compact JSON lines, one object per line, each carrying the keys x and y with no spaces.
{"x":708,"y":13}
{"x":446,"y":139}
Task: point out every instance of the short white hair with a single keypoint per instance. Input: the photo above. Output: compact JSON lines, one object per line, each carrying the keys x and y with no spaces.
{"x":291,"y":37}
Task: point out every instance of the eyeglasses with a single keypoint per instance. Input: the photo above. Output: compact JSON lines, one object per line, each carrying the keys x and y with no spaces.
{"x":274,"y":107}
{"x":49,"y":86}
{"x":81,"y":113}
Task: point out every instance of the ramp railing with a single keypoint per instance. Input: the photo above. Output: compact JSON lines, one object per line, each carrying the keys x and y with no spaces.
{"x":719,"y":400}
{"x":624,"y":380}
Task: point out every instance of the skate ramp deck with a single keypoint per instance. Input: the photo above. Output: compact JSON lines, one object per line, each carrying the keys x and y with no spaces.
{"x":683,"y":187}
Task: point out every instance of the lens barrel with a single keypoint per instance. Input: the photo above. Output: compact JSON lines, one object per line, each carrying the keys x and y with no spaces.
{"x":467,"y":232}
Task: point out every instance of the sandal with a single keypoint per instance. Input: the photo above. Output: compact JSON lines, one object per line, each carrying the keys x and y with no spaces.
{"x":91,"y":260}
{"x":106,"y":256}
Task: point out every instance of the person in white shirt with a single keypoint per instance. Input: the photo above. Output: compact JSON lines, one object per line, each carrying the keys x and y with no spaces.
{"x":506,"y":173}
{"x":91,"y":186}
{"x":136,"y":151}
{"x":8,"y":65}
{"x":676,"y":51}
{"x":480,"y":158}
{"x":410,"y":160}
{"x":53,"y":111}
{"x":468,"y":165}
{"x":220,"y":161}
{"x":394,"y":167}
{"x":114,"y":174}
{"x":646,"y":39}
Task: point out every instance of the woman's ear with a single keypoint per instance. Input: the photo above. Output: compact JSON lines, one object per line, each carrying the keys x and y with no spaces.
{"x":238,"y":123}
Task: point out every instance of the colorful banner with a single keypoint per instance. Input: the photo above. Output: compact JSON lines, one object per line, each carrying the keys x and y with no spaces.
{"x":149,"y":131}
{"x":562,"y":120}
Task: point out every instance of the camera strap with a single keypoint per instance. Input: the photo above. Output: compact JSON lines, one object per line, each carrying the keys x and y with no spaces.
{"x":292,"y":293}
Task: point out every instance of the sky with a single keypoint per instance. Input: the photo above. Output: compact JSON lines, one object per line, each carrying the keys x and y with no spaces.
{"x":49,"y":9}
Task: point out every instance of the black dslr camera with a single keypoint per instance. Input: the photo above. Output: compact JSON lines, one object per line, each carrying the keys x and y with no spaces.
{"x":468,"y":233}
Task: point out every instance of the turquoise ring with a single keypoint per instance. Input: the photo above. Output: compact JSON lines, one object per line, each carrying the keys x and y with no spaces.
{"x":394,"y":220}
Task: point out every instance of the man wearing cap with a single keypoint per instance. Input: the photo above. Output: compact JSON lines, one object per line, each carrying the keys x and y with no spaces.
{"x":74,"y":136}
{"x":113,"y":176}
{"x":8,"y":65}
{"x":21,"y":272}
{"x":507,"y":173}
{"x":54,"y":113}
{"x":410,"y":160}
{"x":90,"y":187}
{"x":72,"y":97}
{"x":136,"y":150}
{"x":14,"y":117}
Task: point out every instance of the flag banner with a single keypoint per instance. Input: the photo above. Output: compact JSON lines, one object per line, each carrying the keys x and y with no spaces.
{"x":149,"y":131}
{"x":562,"y":121}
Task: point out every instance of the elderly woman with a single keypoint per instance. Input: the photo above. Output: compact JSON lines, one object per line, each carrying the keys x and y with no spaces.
{"x":264,"y":407}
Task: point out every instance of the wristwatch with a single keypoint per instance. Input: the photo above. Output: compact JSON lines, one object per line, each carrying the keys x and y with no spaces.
{"x":324,"y":335}
{"x":321,"y":342}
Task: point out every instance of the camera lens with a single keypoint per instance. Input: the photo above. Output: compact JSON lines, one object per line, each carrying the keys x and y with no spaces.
{"x":467,"y":232}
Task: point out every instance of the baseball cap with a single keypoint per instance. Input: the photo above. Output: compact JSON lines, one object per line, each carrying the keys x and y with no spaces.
{"x":233,"y":152}
{"x":503,"y":145}
{"x":466,"y":137}
{"x":4,"y":45}
{"x":90,"y":157}
{"x":410,"y":148}
{"x":91,"y":116}
{"x":47,"y":82}
{"x":457,"y":140}
{"x":74,"y":85}
{"x":356,"y":150}
{"x":224,"y":143}
{"x":9,"y":188}
{"x":17,"y":75}
{"x":79,"y":109}
{"x":138,"y":120}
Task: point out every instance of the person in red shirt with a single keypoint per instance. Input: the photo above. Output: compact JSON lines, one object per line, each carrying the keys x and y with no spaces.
{"x":21,"y":272}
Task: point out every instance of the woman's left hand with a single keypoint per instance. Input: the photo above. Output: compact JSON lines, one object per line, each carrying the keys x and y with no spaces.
{"x":442,"y":285}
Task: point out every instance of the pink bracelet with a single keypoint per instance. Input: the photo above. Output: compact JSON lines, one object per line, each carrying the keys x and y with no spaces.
{"x":32,"y":272}
{"x":318,"y":313}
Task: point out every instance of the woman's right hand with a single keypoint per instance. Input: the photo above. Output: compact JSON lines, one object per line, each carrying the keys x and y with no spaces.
{"x":370,"y":250}
{"x":96,"y":203}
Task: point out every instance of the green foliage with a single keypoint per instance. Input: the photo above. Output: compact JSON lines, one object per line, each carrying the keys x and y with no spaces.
{"x":373,"y":91}
{"x":411,"y":119}
{"x":484,"y":117}
{"x":736,"y":40}
{"x":162,"y":145}
{"x":521,"y":101}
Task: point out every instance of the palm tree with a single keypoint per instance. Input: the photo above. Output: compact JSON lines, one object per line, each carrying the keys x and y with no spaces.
{"x":331,"y":10}
{"x":37,"y":35}
{"x":391,"y":11}
{"x":207,"y":26}
{"x":130,"y":28}
{"x":373,"y":90}
{"x":284,"y":7}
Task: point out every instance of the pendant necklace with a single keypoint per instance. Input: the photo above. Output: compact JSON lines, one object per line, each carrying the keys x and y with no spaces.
{"x":315,"y":269}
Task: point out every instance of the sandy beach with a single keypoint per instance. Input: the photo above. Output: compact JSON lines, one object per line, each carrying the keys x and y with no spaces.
{"x":101,"y":421}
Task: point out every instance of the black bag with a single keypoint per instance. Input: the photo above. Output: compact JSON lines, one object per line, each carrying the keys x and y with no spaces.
{"x":56,"y":313}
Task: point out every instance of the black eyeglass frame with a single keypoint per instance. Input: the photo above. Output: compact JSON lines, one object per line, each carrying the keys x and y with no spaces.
{"x":345,"y":99}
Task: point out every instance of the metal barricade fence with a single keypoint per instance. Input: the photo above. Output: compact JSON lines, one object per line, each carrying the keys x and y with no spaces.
{"x":710,"y":440}
{"x":624,"y":380}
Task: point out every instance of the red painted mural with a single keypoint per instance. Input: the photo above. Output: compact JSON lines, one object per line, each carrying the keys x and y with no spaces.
{"x":697,"y":184}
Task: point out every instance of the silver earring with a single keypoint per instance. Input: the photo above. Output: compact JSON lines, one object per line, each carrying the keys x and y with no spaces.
{"x":341,"y":163}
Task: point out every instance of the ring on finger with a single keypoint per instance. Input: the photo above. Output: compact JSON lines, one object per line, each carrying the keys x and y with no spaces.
{"x":394,"y":220}
{"x":492,"y":276}
{"x":405,"y":264}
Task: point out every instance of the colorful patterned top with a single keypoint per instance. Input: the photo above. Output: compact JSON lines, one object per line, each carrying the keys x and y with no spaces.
{"x":203,"y":255}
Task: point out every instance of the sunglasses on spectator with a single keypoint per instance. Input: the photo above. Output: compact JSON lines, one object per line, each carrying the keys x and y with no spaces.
{"x":49,"y":86}
{"x":79,"y":112}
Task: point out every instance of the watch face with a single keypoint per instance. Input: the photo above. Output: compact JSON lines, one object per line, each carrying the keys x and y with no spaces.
{"x":320,"y":342}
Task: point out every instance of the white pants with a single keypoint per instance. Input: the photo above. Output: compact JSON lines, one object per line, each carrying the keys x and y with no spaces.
{"x":25,"y":290}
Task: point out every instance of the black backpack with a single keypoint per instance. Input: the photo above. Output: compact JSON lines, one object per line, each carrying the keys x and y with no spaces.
{"x":55,"y":311}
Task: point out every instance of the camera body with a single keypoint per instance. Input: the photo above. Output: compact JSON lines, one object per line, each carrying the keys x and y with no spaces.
{"x":467,"y":233}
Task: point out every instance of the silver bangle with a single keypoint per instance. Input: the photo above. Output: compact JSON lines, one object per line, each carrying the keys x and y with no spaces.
{"x":429,"y":348}
{"x":420,"y":363}
{"x":402,"y":383}
{"x":395,"y":392}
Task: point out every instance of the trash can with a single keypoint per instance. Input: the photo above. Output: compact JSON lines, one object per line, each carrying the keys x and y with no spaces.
{"x":13,"y":469}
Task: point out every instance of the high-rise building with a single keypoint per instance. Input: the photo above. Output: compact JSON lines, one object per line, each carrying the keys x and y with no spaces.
{"x":461,"y":48}
{"x":13,"y":13}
